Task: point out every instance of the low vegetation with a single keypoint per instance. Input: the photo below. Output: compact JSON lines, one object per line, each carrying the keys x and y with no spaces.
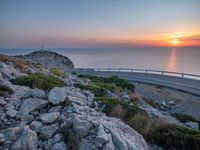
{"x":175,"y":137}
{"x":110,"y":82}
{"x":184,"y":118}
{"x":57,"y":72}
{"x":5,"y":91}
{"x":38,"y":80}
{"x":152,"y":103}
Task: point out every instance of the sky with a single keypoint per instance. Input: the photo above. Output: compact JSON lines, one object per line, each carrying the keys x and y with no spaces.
{"x":99,"y":23}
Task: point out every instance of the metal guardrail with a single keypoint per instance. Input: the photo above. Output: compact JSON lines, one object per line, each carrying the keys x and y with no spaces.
{"x":147,"y":71}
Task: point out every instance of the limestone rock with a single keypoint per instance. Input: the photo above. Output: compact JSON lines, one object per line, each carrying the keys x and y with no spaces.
{"x":49,"y":117}
{"x":36,"y":126}
{"x":30,"y":105}
{"x":35,"y":93}
{"x":27,"y":140}
{"x":46,"y":132}
{"x":59,"y":146}
{"x":57,"y":95}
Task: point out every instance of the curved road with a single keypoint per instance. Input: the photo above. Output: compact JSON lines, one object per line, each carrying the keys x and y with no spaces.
{"x":184,"y":84}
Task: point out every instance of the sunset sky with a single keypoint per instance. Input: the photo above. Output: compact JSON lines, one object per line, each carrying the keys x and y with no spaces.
{"x":99,"y":23}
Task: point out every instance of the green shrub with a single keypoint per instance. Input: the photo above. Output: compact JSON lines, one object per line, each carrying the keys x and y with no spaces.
{"x":174,"y":136}
{"x":124,"y":84}
{"x":37,"y":80}
{"x":57,"y":72}
{"x":184,"y":118}
{"x":5,"y":91}
{"x":97,"y":91}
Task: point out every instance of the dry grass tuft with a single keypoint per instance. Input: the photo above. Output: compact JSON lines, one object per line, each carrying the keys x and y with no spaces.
{"x":117,"y":111}
{"x":134,"y":98}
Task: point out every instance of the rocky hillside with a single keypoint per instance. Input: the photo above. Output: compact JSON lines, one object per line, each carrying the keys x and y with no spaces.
{"x":50,"y":109}
{"x":50,"y":59}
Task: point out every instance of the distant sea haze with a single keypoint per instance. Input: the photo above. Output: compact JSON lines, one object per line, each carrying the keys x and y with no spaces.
{"x":185,"y":59}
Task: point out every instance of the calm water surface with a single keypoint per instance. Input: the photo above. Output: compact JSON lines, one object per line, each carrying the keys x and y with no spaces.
{"x":186,"y":60}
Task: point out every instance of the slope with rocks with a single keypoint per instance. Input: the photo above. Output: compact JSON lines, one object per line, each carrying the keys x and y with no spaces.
{"x":61,"y":118}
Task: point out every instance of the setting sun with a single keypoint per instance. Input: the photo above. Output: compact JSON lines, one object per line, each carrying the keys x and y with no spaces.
{"x":175,"y":42}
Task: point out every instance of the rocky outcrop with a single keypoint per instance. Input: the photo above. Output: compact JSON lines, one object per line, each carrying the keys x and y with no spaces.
{"x":50,"y":59}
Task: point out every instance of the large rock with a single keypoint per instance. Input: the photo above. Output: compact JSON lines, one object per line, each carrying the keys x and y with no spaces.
{"x":27,"y":140}
{"x":35,"y":93}
{"x":57,"y":95}
{"x":30,"y":105}
{"x":11,"y":112}
{"x":59,"y":146}
{"x":49,"y":117}
{"x":46,"y":132}
{"x":36,"y":126}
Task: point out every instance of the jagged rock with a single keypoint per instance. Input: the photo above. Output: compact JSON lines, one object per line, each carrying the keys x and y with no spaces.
{"x":35,"y":93}
{"x":81,"y":126}
{"x":2,"y":101}
{"x":57,"y":95}
{"x":11,"y":112}
{"x":50,"y":59}
{"x":102,"y":136}
{"x":59,"y":146}
{"x":8,"y":71}
{"x":49,"y":144}
{"x":55,"y":109}
{"x":58,"y":137}
{"x":193,"y":125}
{"x":30,"y":105}
{"x":27,"y":118}
{"x":49,"y":117}
{"x":36,"y":126}
{"x":2,"y":138}
{"x":27,"y":140}
{"x":46,"y":132}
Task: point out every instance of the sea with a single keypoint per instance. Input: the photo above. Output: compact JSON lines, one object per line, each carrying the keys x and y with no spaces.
{"x":175,"y":59}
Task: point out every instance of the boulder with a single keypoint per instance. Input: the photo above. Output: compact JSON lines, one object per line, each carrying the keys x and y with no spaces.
{"x":102,"y":136}
{"x":46,"y":132}
{"x":125,"y":96}
{"x":49,"y":117}
{"x":55,"y":109}
{"x":58,"y":137}
{"x":35,"y":93}
{"x":59,"y":146}
{"x":30,"y":105}
{"x":57,"y":95}
{"x":36,"y":126}
{"x":27,"y":118}
{"x":11,"y":112}
{"x":2,"y":101}
{"x":81,"y":126}
{"x":193,"y":125}
{"x":27,"y":140}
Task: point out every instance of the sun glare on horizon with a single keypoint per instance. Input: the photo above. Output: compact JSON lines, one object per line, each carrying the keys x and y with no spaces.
{"x":175,"y":42}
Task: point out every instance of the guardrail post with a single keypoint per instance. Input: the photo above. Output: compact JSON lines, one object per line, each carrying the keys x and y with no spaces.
{"x":119,"y":70}
{"x":162,"y":73}
{"x":131,"y":70}
{"x":145,"y":71}
{"x":108,"y":69}
{"x":182,"y":75}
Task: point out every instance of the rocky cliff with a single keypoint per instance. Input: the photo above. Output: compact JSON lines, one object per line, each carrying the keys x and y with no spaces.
{"x":50,"y":59}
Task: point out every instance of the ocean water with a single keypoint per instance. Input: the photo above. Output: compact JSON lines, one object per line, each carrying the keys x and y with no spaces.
{"x":184,"y":60}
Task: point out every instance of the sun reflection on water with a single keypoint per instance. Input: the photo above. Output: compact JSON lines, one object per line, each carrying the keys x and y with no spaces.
{"x":171,"y":64}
